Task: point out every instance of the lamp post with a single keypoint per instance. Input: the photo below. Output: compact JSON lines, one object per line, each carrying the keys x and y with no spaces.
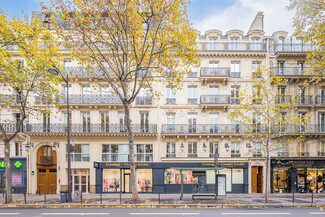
{"x":55,"y":71}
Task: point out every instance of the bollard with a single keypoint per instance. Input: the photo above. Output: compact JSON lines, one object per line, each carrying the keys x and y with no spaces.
{"x":45,"y":197}
{"x":81,"y":197}
{"x":293,"y":197}
{"x":159,"y":196}
{"x":3,"y":192}
{"x":25,"y":197}
{"x":6,"y":197}
{"x":101,"y":196}
{"x":312,"y":196}
{"x":120,"y":197}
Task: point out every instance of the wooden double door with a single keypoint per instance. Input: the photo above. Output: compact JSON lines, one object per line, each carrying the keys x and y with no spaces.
{"x":46,"y":170}
{"x":257,"y":179}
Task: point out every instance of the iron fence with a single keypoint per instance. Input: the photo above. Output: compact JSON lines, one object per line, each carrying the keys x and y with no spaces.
{"x":215,"y":99}
{"x":231,"y":46}
{"x":90,"y":99}
{"x":292,"y":47}
{"x":292,"y":71}
{"x":215,"y":72}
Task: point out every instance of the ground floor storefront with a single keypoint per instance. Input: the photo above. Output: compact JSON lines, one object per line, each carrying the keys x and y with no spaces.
{"x":166,"y":177}
{"x":18,"y":175}
{"x":297,"y":175}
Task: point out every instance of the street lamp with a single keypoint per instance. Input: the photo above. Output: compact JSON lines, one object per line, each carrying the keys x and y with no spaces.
{"x":55,"y":71}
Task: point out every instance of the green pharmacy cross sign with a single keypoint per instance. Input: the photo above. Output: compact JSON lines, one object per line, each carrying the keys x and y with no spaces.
{"x":17,"y":164}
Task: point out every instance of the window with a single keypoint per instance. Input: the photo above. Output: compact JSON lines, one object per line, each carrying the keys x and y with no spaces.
{"x":321,"y":96}
{"x":144,"y":152}
{"x":235,"y":149}
{"x":303,"y":121}
{"x":171,"y":127}
{"x":256,"y":69}
{"x":85,"y":94}
{"x":214,"y":123}
{"x":144,"y":125}
{"x":115,"y":152}
{"x":282,"y":123}
{"x":85,"y":122}
{"x":281,"y":69}
{"x":282,"y":150}
{"x":257,"y":97}
{"x":256,"y":123}
{"x":170,"y":95}
{"x":256,"y":44}
{"x":173,"y":176}
{"x":300,"y":67}
{"x":257,"y":149}
{"x":192,"y":122}
{"x":170,"y":149}
{"x":104,"y":121}
{"x":234,"y":44}
{"x":192,"y":95}
{"x":321,"y":149}
{"x":46,"y":122}
{"x":104,"y":95}
{"x":213,"y":44}
{"x":18,"y":151}
{"x":123,"y":127}
{"x":281,"y":97}
{"x":192,"y":149}
{"x":67,"y":64}
{"x":79,"y":152}
{"x":234,"y":95}
{"x":213,"y":148}
{"x":235,"y":69}
{"x":302,"y":149}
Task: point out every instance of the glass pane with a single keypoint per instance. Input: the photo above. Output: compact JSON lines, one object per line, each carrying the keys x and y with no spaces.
{"x":144,"y":180}
{"x":111,"y":180}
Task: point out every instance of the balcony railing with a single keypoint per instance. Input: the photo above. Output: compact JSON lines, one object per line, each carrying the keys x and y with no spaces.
{"x":304,"y":100}
{"x":215,"y":72}
{"x":191,"y":100}
{"x":302,"y":154}
{"x":90,"y":128}
{"x":292,"y":71}
{"x":143,"y":100}
{"x":321,"y":154}
{"x":283,"y":99}
{"x":320,"y":100}
{"x":235,"y":154}
{"x":283,"y":154}
{"x":257,"y":154}
{"x":215,"y":99}
{"x":231,"y":46}
{"x":192,"y":75}
{"x":46,"y":159}
{"x":292,"y":47}
{"x":192,"y":155}
{"x":171,"y":101}
{"x":90,"y":99}
{"x":9,"y":98}
{"x":170,"y":155}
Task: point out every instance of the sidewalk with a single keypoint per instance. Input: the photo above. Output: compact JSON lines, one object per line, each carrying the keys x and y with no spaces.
{"x":170,"y":200}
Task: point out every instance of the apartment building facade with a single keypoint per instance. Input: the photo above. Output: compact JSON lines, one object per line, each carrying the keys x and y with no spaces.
{"x":181,"y":132}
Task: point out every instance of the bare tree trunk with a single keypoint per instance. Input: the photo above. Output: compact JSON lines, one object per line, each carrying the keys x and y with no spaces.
{"x":134,"y":184}
{"x":267,"y":170}
{"x":8,"y":171}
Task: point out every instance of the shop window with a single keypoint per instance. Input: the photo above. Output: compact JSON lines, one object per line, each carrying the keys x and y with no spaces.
{"x":17,"y":179}
{"x":144,"y":180}
{"x":80,"y":180}
{"x":281,"y":181}
{"x":237,"y":176}
{"x":111,"y":180}
{"x":79,"y":152}
{"x":173,"y":176}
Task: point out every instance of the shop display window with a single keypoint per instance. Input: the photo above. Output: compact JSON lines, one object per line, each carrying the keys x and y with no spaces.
{"x":237,"y":176}
{"x":111,"y":180}
{"x":144,"y":180}
{"x":173,"y":176}
{"x":17,"y":179}
{"x":281,"y":181}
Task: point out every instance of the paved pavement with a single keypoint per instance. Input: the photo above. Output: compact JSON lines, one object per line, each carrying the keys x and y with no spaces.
{"x":296,"y":212}
{"x":230,"y":200}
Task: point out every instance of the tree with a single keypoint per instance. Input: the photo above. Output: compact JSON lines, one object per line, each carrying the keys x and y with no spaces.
{"x":131,"y":43}
{"x":267,"y":117}
{"x":26,"y":52}
{"x":309,"y":21}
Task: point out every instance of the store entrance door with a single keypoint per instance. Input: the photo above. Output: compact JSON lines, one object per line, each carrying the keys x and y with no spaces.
{"x":257,"y":180}
{"x":301,"y":180}
{"x":126,"y":184}
{"x":46,"y":170}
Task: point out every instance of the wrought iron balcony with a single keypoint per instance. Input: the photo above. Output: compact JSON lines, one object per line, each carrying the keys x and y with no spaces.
{"x":302,"y":154}
{"x":215,"y":99}
{"x":231,"y":46}
{"x":9,"y":98}
{"x":215,"y":72}
{"x":304,"y":100}
{"x":320,"y":100}
{"x":205,"y":128}
{"x":143,"y":100}
{"x":235,"y":74}
{"x":292,"y":47}
{"x":89,"y":128}
{"x":283,"y":99}
{"x":235,"y":154}
{"x":83,"y":72}
{"x":191,"y":100}
{"x":42,"y":101}
{"x":192,"y":155}
{"x":12,"y":127}
{"x":257,"y":154}
{"x":90,"y":99}
{"x":321,"y":154}
{"x":171,"y":101}
{"x":292,"y":71}
{"x":192,"y":75}
{"x":170,"y":155}
{"x":283,"y":154}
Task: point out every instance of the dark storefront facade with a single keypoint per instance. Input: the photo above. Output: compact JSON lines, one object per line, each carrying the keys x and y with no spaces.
{"x":297,"y":175}
{"x":18,"y":174}
{"x":166,"y":177}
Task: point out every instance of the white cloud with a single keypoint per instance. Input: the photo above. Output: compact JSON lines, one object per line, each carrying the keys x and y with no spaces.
{"x":241,"y":14}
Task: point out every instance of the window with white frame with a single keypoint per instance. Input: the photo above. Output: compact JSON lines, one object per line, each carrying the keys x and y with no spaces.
{"x":235,"y":149}
{"x":18,"y":149}
{"x":321,"y":149}
{"x":302,"y":149}
{"x":79,"y":152}
{"x":170,"y":149}
{"x":213,"y":43}
{"x":256,"y":122}
{"x":234,"y":44}
{"x":257,"y":149}
{"x":171,"y":123}
{"x":235,"y":69}
{"x":213,"y":149}
{"x":192,"y":149}
{"x":256,"y":44}
{"x":282,"y":150}
{"x":192,"y":94}
{"x":255,"y":67}
{"x":144,"y":152}
{"x":170,"y":95}
{"x":115,"y":152}
{"x":235,"y":94}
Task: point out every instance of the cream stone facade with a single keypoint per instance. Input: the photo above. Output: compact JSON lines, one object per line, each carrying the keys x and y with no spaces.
{"x":184,"y":130}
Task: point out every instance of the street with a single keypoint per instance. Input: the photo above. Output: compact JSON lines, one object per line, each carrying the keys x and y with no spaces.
{"x":124,"y":212}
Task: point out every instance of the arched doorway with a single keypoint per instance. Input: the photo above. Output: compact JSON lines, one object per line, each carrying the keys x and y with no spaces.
{"x":46,"y":170}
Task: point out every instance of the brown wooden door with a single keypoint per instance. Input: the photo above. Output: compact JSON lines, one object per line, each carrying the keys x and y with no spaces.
{"x":254,"y":180}
{"x":46,"y":170}
{"x":260,"y":180}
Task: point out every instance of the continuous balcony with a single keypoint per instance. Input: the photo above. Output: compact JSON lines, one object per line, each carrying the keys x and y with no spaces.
{"x":292,"y":49}
{"x":304,"y":101}
{"x":283,"y":154}
{"x":283,"y":99}
{"x":293,"y":72}
{"x":302,"y":154}
{"x":143,"y":101}
{"x":232,"y":47}
{"x":89,"y":128}
{"x":214,"y":101}
{"x":320,"y":100}
{"x":91,"y":99}
{"x":219,"y":74}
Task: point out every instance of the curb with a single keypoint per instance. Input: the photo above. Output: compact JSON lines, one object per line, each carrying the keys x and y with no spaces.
{"x":191,"y":206}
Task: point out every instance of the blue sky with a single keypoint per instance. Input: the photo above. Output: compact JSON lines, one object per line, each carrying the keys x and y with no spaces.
{"x":205,"y":14}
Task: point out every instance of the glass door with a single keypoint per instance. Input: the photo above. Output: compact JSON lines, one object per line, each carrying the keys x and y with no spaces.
{"x":214,"y":121}
{"x":126,"y":184}
{"x":85,"y":94}
{"x":86,"y":122}
{"x":192,"y":123}
{"x":104,"y":121}
{"x":144,"y":122}
{"x":123,"y":128}
{"x":321,"y":122}
{"x":171,"y":128}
